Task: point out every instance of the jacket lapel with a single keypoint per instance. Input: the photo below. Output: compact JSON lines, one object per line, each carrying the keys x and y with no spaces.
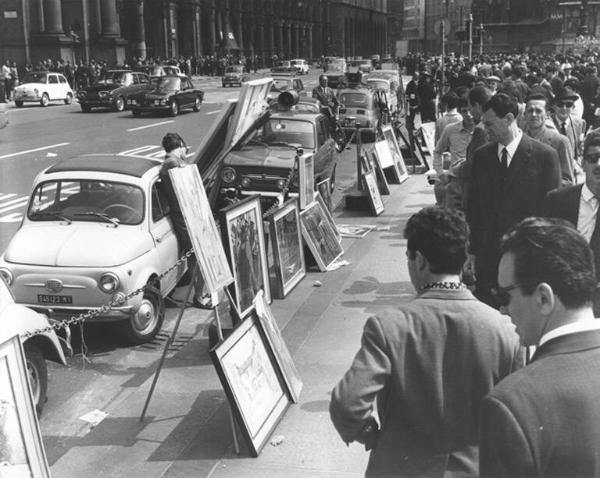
{"x":570,"y":343}
{"x":520,"y":159}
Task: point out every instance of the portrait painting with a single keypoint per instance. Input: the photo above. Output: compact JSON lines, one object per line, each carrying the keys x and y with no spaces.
{"x":390,"y":137}
{"x":320,"y":236}
{"x":244,"y":240}
{"x":372,"y":190}
{"x":286,"y":243}
{"x":250,"y":376}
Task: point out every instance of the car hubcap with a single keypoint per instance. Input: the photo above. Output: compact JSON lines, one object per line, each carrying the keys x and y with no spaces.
{"x":145,"y":318}
{"x":34,"y":382}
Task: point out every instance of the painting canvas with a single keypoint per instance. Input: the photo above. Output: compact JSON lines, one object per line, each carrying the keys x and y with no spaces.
{"x":279,"y":347}
{"x":202,"y":228}
{"x":382,"y":182}
{"x":324,"y":189}
{"x":251,"y":379}
{"x":373,"y":192}
{"x":319,"y":236}
{"x":385,"y":158}
{"x":390,"y":137}
{"x":288,"y":251}
{"x":243,"y":235}
{"x":328,"y":215}
{"x":21,"y":448}
{"x":306,"y":183}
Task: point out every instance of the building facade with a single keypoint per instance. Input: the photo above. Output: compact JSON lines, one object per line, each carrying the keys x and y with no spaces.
{"x":113,"y":30}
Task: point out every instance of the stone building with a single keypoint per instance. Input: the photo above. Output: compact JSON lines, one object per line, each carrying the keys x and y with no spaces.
{"x":114,"y":30}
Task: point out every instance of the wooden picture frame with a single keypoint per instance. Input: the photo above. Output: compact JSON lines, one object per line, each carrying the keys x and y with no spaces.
{"x":306,"y":180}
{"x":328,"y":216}
{"x":372,"y":190}
{"x":244,"y":240}
{"x":252,"y":381}
{"x":382,"y":182}
{"x":390,"y":137}
{"x":21,"y":447}
{"x":324,"y":189}
{"x":287,"y":246}
{"x":426,"y":142}
{"x":385,"y":158}
{"x":320,"y":236}
{"x":277,"y":343}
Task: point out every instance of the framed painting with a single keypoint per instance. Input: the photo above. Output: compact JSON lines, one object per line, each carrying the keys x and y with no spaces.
{"x":355,"y":230}
{"x":382,"y":182}
{"x":385,"y":158}
{"x":288,"y":250}
{"x":252,"y":381}
{"x":420,"y":151}
{"x":279,"y":347}
{"x":390,"y":138}
{"x":201,"y":227}
{"x":328,"y":215}
{"x":306,"y":180}
{"x":324,"y":189}
{"x":320,"y":236}
{"x":244,"y":239}
{"x":21,"y":447}
{"x":373,"y":193}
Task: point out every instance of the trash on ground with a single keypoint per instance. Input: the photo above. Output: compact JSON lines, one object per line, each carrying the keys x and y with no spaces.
{"x":317,"y":283}
{"x":277,"y":440}
{"x":94,"y":417}
{"x":354,"y":230}
{"x":337,"y":264}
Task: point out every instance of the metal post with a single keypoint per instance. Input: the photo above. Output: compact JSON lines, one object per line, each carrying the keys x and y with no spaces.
{"x":86,"y":31}
{"x":470,"y":33}
{"x":480,"y":39}
{"x":443,"y":29}
{"x":359,"y":185}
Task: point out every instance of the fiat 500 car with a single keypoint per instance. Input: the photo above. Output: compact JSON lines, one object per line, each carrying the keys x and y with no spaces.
{"x":166,"y":94}
{"x":43,"y":87}
{"x":358,"y":105}
{"x":39,"y":340}
{"x":285,"y":83}
{"x":97,"y":228}
{"x":234,"y":75}
{"x":100,"y":93}
{"x":300,"y":65}
{"x":384,"y":85}
{"x":284,"y":66}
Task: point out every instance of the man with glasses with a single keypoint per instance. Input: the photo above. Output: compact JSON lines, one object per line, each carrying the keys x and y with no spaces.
{"x":566,"y":123}
{"x":579,"y":204}
{"x":544,"y":419}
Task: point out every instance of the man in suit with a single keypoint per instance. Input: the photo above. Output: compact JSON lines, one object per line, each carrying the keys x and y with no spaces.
{"x":579,"y":204}
{"x":544,"y":420}
{"x":509,"y":179}
{"x":568,"y":124}
{"x":428,"y":363}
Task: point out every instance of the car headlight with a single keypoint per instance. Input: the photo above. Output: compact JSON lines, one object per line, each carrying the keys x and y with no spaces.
{"x":104,"y":94}
{"x":228,"y":175}
{"x":6,"y":275}
{"x":108,"y":283}
{"x":280,"y":184}
{"x":36,"y":91}
{"x":246,"y":182}
{"x":81,"y":94}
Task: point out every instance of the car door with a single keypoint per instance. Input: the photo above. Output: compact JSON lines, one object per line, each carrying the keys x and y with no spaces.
{"x":53,"y":86}
{"x":63,"y":87}
{"x":190,"y":93}
{"x":324,"y":151}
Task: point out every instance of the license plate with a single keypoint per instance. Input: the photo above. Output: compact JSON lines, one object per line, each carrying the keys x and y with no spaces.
{"x":54,"y":299}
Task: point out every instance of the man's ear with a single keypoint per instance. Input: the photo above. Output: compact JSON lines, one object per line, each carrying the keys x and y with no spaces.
{"x":545,"y":298}
{"x":421,"y":261}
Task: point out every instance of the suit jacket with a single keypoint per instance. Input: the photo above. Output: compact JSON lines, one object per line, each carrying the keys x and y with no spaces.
{"x":494,"y":205}
{"x":428,"y":364}
{"x":549,"y":135}
{"x":563,"y":203}
{"x":544,"y":420}
{"x":575,"y":131}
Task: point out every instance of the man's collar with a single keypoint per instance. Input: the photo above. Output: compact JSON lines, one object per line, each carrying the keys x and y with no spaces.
{"x":513,"y":145}
{"x":579,"y":326}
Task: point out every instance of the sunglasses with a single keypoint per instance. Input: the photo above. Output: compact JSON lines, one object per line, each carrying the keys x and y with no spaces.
{"x":565,"y":104}
{"x":591,"y":158}
{"x":501,"y":294}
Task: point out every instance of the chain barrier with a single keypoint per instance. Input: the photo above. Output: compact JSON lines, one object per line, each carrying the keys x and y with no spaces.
{"x":56,"y":325}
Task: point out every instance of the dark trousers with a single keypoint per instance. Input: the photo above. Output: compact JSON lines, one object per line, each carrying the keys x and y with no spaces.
{"x":2,"y":92}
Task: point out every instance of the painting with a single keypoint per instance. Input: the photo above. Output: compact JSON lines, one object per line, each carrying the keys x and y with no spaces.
{"x":306,"y":180}
{"x":201,"y":227}
{"x":21,"y":448}
{"x":382,"y":182}
{"x":279,"y":347}
{"x":244,"y":239}
{"x":324,"y":189}
{"x":320,"y":236}
{"x":286,"y":243}
{"x":390,"y":137}
{"x":251,"y":379}
{"x":372,"y":190}
{"x":426,"y":142}
{"x":386,"y":160}
{"x":328,"y":215}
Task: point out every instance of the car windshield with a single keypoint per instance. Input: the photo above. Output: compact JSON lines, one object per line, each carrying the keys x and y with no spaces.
{"x":354,"y":99}
{"x":165,"y":83}
{"x":296,"y":62}
{"x":281,"y":85}
{"x":35,"y":77}
{"x":288,"y":132}
{"x":87,"y":200}
{"x":234,"y":69}
{"x":110,"y":79}
{"x":337,"y":66}
{"x":384,"y":85}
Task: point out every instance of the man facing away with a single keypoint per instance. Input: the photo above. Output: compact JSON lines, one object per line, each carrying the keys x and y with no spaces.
{"x":426,"y":364}
{"x":544,"y":420}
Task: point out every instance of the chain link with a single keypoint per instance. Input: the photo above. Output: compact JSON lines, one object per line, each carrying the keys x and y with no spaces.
{"x":57,"y":325}
{"x":285,"y":188}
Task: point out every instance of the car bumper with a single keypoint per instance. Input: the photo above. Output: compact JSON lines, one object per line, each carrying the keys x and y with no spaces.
{"x":161,"y":108}
{"x":27,"y":97}
{"x":65,"y":313}
{"x":96,"y":103}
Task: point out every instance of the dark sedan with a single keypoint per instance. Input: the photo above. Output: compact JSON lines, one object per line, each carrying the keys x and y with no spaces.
{"x":111,"y":90}
{"x":166,"y":94}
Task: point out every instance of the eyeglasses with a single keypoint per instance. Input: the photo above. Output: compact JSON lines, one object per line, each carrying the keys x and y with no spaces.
{"x":591,"y":158}
{"x":565,"y":104}
{"x":502,"y":293}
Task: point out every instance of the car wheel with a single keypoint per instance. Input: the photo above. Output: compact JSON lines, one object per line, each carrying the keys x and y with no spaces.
{"x":119,"y":104}
{"x":173,"y":108}
{"x":18,"y":104}
{"x":45,"y":101}
{"x":85,"y":108}
{"x":197,"y":104}
{"x":69,"y":99}
{"x":37,"y":371}
{"x":144,"y":324}
{"x":136,"y":113}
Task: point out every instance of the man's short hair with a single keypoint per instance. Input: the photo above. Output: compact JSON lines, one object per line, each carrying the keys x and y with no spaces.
{"x":441,"y":235}
{"x":552,"y":251}
{"x":537,"y":96}
{"x":323,"y":77}
{"x":479,"y":95}
{"x":172,"y":141}
{"x":592,"y":139}
{"x":502,"y":104}
{"x":450,"y":99}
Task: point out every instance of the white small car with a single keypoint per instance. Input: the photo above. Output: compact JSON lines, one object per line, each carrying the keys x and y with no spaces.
{"x":301,"y":66}
{"x":16,"y":319}
{"x":43,"y":87}
{"x":97,"y":228}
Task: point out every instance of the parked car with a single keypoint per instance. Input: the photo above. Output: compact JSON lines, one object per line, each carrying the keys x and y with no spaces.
{"x":283,"y":83}
{"x":364,"y":66}
{"x":359,"y":105}
{"x":284,"y":66}
{"x":336,"y":73}
{"x":384,"y":85}
{"x":43,"y":87}
{"x":101,"y":94}
{"x":234,"y":75}
{"x":19,"y":320}
{"x":97,"y":228}
{"x":300,"y":65}
{"x":166,"y":94}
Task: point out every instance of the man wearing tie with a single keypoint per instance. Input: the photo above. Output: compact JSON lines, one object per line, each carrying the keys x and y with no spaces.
{"x":566,"y":123}
{"x":579,"y":204}
{"x":510,"y":177}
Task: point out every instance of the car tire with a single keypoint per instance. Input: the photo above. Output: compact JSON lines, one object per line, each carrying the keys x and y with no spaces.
{"x":119,"y":104}
{"x":69,"y":99}
{"x":18,"y":104}
{"x":173,"y":108}
{"x":136,"y":113}
{"x":147,"y":320}
{"x":45,"y":101}
{"x":197,"y":104}
{"x":37,"y":372}
{"x":86,"y":108}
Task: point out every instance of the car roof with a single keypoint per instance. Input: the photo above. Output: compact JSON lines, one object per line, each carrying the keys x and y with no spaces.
{"x":107,"y":163}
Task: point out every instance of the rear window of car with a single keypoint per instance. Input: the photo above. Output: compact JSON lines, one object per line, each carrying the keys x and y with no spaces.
{"x":288,"y":131}
{"x":354,"y":99}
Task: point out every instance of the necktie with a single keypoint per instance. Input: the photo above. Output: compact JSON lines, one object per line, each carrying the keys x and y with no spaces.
{"x":504,"y":162}
{"x":563,"y":128}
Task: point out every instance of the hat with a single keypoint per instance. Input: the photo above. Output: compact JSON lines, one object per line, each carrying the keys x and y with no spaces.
{"x":566,"y":94}
{"x":493,"y":78}
{"x":566,"y":66}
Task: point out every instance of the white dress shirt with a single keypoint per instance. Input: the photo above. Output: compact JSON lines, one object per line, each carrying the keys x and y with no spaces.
{"x":588,"y":209}
{"x":511,"y":147}
{"x":580,"y":326}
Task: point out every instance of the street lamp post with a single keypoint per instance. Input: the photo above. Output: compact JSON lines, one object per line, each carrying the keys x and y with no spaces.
{"x":481,"y":39}
{"x":470,"y":33}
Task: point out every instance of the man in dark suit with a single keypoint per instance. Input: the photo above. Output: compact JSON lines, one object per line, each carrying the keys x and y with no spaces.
{"x":510,"y":177}
{"x":544,"y":420}
{"x":579,"y":204}
{"x":428,"y":363}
